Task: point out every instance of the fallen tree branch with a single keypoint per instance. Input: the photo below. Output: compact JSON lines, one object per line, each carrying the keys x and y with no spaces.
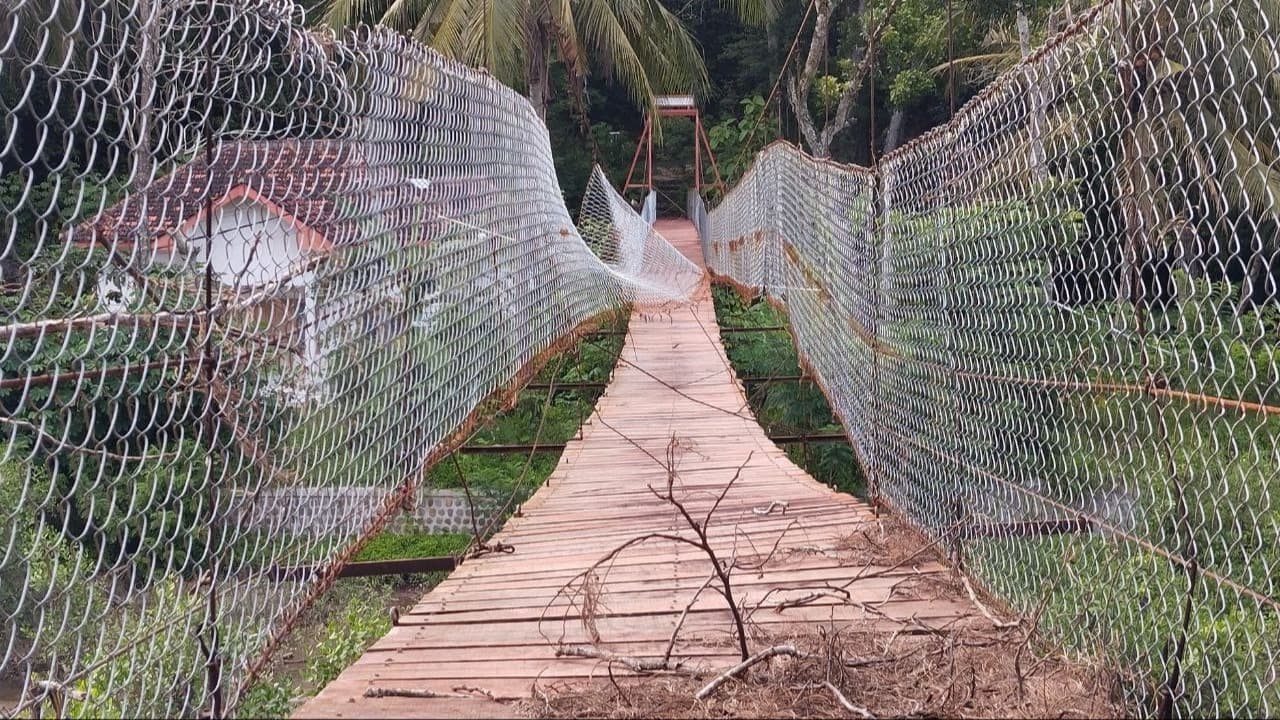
{"x":836,"y":593}
{"x":973,"y":596}
{"x":381,"y":692}
{"x":844,"y":701}
{"x":635,"y":664}
{"x":736,"y":670}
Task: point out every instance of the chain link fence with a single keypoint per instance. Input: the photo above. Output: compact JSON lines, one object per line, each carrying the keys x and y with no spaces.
{"x":245,"y":262}
{"x":1050,"y":328}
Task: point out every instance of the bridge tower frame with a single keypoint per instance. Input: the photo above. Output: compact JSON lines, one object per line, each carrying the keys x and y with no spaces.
{"x":673,"y":106}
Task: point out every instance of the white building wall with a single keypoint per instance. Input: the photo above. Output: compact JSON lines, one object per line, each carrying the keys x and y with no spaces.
{"x":251,"y":245}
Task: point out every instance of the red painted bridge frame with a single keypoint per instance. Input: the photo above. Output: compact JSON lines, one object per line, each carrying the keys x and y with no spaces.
{"x":673,"y":106}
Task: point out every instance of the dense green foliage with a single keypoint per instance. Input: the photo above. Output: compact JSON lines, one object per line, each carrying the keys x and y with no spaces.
{"x":336,"y":632}
{"x":130,"y":437}
{"x":911,"y":77}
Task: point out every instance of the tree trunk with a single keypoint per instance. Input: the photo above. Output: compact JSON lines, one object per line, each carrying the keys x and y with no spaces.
{"x":1039,"y":161}
{"x":143,"y":102}
{"x":1246,"y":285}
{"x":797,"y":87}
{"x":1024,"y":29}
{"x":538,"y":44}
{"x":1131,"y":179}
{"x":894,"y":136}
{"x":804,"y":119}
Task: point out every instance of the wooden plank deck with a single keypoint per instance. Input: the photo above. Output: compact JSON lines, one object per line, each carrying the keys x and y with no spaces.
{"x":492,"y":627}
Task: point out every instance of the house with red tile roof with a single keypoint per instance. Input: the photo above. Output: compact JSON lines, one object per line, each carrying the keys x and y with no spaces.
{"x":273,"y":207}
{"x":268,"y":218}
{"x":269,"y":202}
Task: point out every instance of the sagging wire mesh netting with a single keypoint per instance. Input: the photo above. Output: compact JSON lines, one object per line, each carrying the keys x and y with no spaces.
{"x":241,"y":257}
{"x":1050,"y":328}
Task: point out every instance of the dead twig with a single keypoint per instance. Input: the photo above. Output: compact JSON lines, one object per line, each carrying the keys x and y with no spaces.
{"x":844,"y":701}
{"x":768,"y":558}
{"x":837,"y":593}
{"x":383,"y":692}
{"x":592,"y":603}
{"x":931,"y":545}
{"x":769,"y":510}
{"x":857,"y":662}
{"x":582,"y":580}
{"x":973,"y":596}
{"x":671,"y":644}
{"x":1031,"y":631}
{"x":722,"y":570}
{"x":471,"y":505}
{"x":640,"y":665}
{"x":474,"y":691}
{"x":740,"y":668}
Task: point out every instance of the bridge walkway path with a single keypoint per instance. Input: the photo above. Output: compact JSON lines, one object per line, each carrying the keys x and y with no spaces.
{"x":491,"y":629}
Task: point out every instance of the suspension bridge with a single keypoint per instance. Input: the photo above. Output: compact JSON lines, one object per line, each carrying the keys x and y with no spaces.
{"x":292,"y":264}
{"x":674,"y":410}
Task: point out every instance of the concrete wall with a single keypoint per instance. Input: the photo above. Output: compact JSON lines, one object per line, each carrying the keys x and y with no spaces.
{"x":323,"y":511}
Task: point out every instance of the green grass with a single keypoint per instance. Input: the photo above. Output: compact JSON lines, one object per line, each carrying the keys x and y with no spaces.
{"x":397,"y":546}
{"x":511,"y":477}
{"x":785,"y":407}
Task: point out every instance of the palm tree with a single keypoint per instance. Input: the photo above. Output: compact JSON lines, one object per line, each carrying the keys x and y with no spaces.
{"x":62,"y":42}
{"x":1191,"y":144}
{"x":1199,"y":167}
{"x":638,"y":43}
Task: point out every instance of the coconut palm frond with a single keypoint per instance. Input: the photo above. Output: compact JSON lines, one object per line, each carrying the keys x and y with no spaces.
{"x":1248,"y":181}
{"x":405,"y":15}
{"x":445,"y":27}
{"x":1001,"y":37}
{"x":755,"y":12}
{"x":559,"y":15}
{"x":668,"y":50}
{"x":565,"y":27}
{"x":601,"y":32}
{"x":638,"y":43}
{"x":496,"y":33}
{"x":993,"y":62}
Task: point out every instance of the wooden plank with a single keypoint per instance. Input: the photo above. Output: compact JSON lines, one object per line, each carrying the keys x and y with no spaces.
{"x":689,"y":577}
{"x":708,"y":604}
{"x":688,"y":572}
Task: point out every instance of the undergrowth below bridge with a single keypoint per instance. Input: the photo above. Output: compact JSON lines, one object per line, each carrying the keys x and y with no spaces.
{"x":780,"y":397}
{"x":356,"y":612}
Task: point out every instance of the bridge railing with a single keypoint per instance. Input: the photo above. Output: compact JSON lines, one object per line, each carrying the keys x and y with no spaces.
{"x":245,"y":262}
{"x":1050,"y":328}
